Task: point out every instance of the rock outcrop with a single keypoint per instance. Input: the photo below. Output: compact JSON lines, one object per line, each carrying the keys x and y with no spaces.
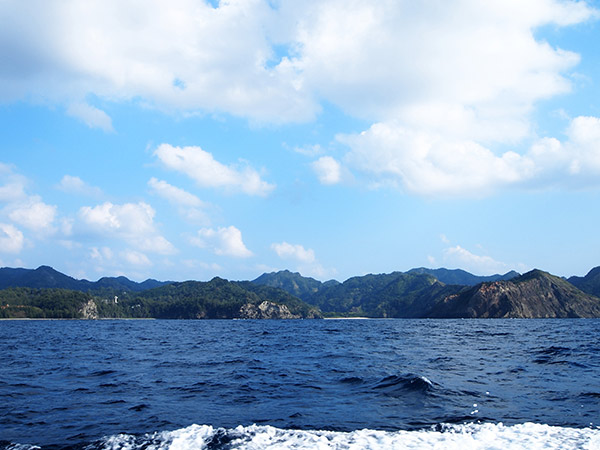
{"x":89,"y":310}
{"x":266,"y":310}
{"x":535,"y":294}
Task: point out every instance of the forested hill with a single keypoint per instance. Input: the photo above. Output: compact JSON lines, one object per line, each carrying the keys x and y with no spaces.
{"x":422,"y":293}
{"x":47,"y":277}
{"x":215,"y":299}
{"x":462,"y":277}
{"x":293,"y":283}
{"x":590,"y":283}
{"x":536,"y":294}
{"x":418,"y":293}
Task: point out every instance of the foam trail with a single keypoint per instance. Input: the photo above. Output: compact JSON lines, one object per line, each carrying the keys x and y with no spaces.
{"x":460,"y":437}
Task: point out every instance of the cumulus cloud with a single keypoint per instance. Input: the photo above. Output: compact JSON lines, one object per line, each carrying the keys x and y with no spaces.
{"x":33,"y":214}
{"x":201,"y":166}
{"x":12,"y":185}
{"x":184,"y":55}
{"x":481,"y":61}
{"x":429,"y":164}
{"x":574,"y":161}
{"x":25,"y":210}
{"x":130,"y":222}
{"x":224,"y":241}
{"x":294,"y":251}
{"x":11,"y":239}
{"x":91,"y":116}
{"x":75,"y":185}
{"x":442,"y":86}
{"x":328,"y":170}
{"x":274,"y":62}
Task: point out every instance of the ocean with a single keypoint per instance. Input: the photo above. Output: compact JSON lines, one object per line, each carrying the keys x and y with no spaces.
{"x":300,"y":384}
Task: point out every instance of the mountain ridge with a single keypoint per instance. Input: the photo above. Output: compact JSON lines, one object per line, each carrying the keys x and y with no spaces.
{"x":46,"y":277}
{"x":590,"y":283}
{"x":284,"y":294}
{"x":462,"y":277}
{"x":535,"y":294}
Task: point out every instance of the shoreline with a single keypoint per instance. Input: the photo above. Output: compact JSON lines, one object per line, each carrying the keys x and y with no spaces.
{"x":87,"y":320}
{"x":347,"y":318}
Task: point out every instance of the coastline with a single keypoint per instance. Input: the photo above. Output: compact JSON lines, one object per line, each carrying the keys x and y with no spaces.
{"x":347,"y":318}
{"x":88,"y":320}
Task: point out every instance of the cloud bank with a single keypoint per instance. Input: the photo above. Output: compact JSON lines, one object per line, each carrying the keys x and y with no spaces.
{"x":449,"y":88}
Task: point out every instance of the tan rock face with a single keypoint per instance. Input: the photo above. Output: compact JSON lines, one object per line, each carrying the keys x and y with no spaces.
{"x":535,"y":295}
{"x":266,"y":310}
{"x":89,"y":310}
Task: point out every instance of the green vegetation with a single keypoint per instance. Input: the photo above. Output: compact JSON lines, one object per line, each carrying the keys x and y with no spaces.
{"x":42,"y":303}
{"x":589,"y":284}
{"x":414,"y":294}
{"x":216,"y":299}
{"x":385,"y":295}
{"x":293,"y":283}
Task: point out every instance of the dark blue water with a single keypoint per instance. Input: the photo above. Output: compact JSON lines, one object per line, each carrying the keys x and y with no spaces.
{"x":65,"y":383}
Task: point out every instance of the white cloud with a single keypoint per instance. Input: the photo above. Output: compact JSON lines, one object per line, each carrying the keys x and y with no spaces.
{"x":91,"y":116}
{"x":34,"y":214}
{"x":480,"y":60}
{"x":130,"y":222}
{"x":174,"y":194}
{"x":442,"y":85}
{"x":28,"y":211}
{"x":309,"y":150}
{"x":75,"y":185}
{"x":188,"y":205}
{"x":190,"y":56}
{"x":328,"y":170}
{"x":201,"y":166}
{"x":11,"y":239}
{"x":306,"y":261}
{"x":101,"y":254}
{"x":225,"y":241}
{"x":135,"y":258}
{"x":427,"y":164}
{"x":183,"y":55}
{"x":296,"y":252}
{"x":464,"y":259}
{"x":12,"y":185}
{"x":574,"y":162}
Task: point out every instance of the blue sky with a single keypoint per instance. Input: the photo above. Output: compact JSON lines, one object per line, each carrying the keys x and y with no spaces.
{"x":333,"y":138}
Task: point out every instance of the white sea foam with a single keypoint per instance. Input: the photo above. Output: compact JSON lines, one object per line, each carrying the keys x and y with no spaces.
{"x":460,"y":437}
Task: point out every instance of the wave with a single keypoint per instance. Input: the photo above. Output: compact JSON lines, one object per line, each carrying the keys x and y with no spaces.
{"x":405,"y":382}
{"x":265,"y":437}
{"x":393,"y":384}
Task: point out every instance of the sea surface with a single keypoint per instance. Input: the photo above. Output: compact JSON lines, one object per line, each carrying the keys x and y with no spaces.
{"x":326,"y":384}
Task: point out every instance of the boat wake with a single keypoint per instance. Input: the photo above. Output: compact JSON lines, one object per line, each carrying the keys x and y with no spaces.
{"x":528,"y":436}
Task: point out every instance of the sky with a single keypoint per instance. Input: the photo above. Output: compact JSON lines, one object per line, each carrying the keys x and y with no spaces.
{"x":190,"y":139}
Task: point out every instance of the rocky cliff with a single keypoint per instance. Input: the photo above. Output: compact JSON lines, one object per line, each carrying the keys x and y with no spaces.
{"x":536,"y":294}
{"x":266,"y":310}
{"x":89,"y":310}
